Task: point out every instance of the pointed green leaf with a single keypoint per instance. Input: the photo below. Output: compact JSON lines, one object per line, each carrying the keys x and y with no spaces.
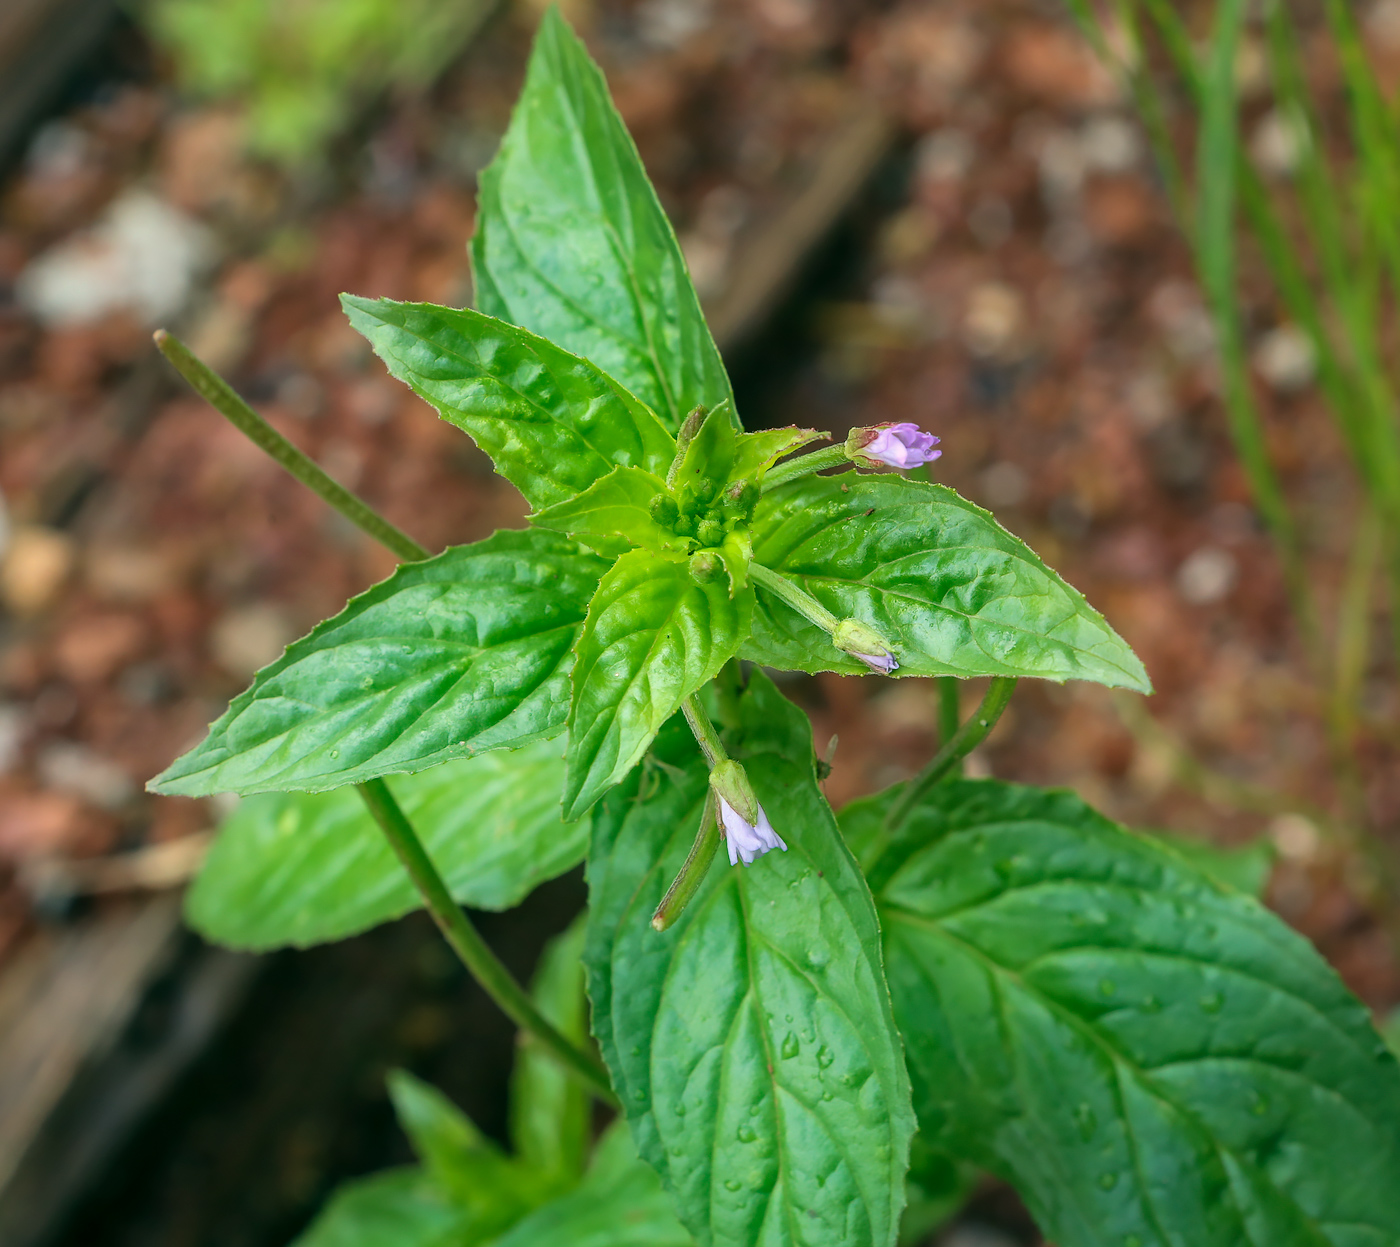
{"x":757,"y":452}
{"x":459,"y":654}
{"x":1150,"y":1056}
{"x":709,"y":458}
{"x":613,"y":514}
{"x":652,"y":637}
{"x":304,"y":868}
{"x":952,"y":591}
{"x":552,"y":423}
{"x":550,"y":1111}
{"x":572,"y":243}
{"x":476,"y":1175}
{"x":396,"y":1208}
{"x":752,"y":1044}
{"x":619,"y":1204}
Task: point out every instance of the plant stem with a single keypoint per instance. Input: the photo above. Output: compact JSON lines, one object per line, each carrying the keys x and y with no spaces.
{"x":964,"y":741}
{"x":467,"y":943}
{"x":219,"y":394}
{"x":805,"y":465}
{"x":692,"y":874}
{"x":799,"y":599}
{"x":705,"y":734}
{"x":947,"y":708}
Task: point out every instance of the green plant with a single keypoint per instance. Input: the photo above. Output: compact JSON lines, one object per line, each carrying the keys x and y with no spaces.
{"x":1148,"y":1054}
{"x":1328,"y":238}
{"x":299,"y":66}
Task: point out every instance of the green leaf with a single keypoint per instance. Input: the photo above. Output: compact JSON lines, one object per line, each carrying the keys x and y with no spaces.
{"x":396,"y":1208}
{"x":652,"y":637}
{"x":550,"y":1111}
{"x":613,"y":514}
{"x":619,"y":1204}
{"x":1149,"y":1056}
{"x":1246,"y":868}
{"x":476,"y":1175}
{"x":757,"y":452}
{"x":572,"y":243}
{"x":708,"y":461}
{"x":952,"y":591}
{"x":552,"y":423}
{"x":301,"y":869}
{"x":450,"y":657}
{"x":752,"y":1044}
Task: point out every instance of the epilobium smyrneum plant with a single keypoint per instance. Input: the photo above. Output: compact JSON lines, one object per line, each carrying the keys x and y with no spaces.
{"x":1141,"y":1048}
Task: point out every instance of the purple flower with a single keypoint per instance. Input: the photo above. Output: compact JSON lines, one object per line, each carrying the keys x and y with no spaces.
{"x":895,"y":445}
{"x":747,"y":841}
{"x":880,"y":664}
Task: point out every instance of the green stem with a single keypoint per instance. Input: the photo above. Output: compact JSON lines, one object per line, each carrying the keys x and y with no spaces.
{"x":467,"y":943}
{"x":800,"y":600}
{"x":692,"y":874}
{"x":217,"y":392}
{"x":947,"y":708}
{"x":705,"y":734}
{"x":805,"y":465}
{"x":964,"y":741}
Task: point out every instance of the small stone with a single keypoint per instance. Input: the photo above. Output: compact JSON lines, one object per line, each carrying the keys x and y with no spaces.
{"x":1005,"y":484}
{"x":1111,"y":144}
{"x":1277,"y":143}
{"x":1286,"y":359}
{"x":79,"y":771}
{"x":1295,"y":837}
{"x":993,"y":319}
{"x":248,"y":638}
{"x":94,"y":647}
{"x":127,"y":573}
{"x":1206,"y":576}
{"x":36,"y":567}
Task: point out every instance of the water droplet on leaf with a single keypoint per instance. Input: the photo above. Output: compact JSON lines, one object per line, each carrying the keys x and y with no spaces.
{"x":825,"y":1056}
{"x":790,"y":1046}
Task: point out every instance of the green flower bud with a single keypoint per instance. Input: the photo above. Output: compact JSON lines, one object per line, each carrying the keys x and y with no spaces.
{"x":709,"y":532}
{"x":706,"y":568}
{"x":863,"y":642}
{"x":742,"y":496}
{"x":684,"y":525}
{"x":731,"y":784}
{"x":664,"y":510}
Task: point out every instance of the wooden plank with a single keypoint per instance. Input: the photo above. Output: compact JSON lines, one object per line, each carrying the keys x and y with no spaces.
{"x":771,"y":259}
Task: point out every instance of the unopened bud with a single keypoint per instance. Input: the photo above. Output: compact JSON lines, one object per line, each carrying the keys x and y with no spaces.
{"x":742,"y":496}
{"x":709,"y":532}
{"x":706,"y":568}
{"x":664,"y":510}
{"x":901,"y":446}
{"x":731,"y":784}
{"x":863,"y":642}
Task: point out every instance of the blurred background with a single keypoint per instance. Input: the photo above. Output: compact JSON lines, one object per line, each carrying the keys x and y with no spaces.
{"x":970,"y":214}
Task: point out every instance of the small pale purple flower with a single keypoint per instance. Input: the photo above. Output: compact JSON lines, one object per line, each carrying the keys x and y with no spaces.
{"x":895,"y":445}
{"x":746,"y":841}
{"x":880,"y":664}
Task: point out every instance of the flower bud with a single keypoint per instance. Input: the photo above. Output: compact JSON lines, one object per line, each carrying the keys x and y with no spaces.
{"x":706,"y":568}
{"x":709,"y":532}
{"x":902,"y":446}
{"x":664,"y":510}
{"x":742,"y":495}
{"x":863,"y":642}
{"x":731,"y":784}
